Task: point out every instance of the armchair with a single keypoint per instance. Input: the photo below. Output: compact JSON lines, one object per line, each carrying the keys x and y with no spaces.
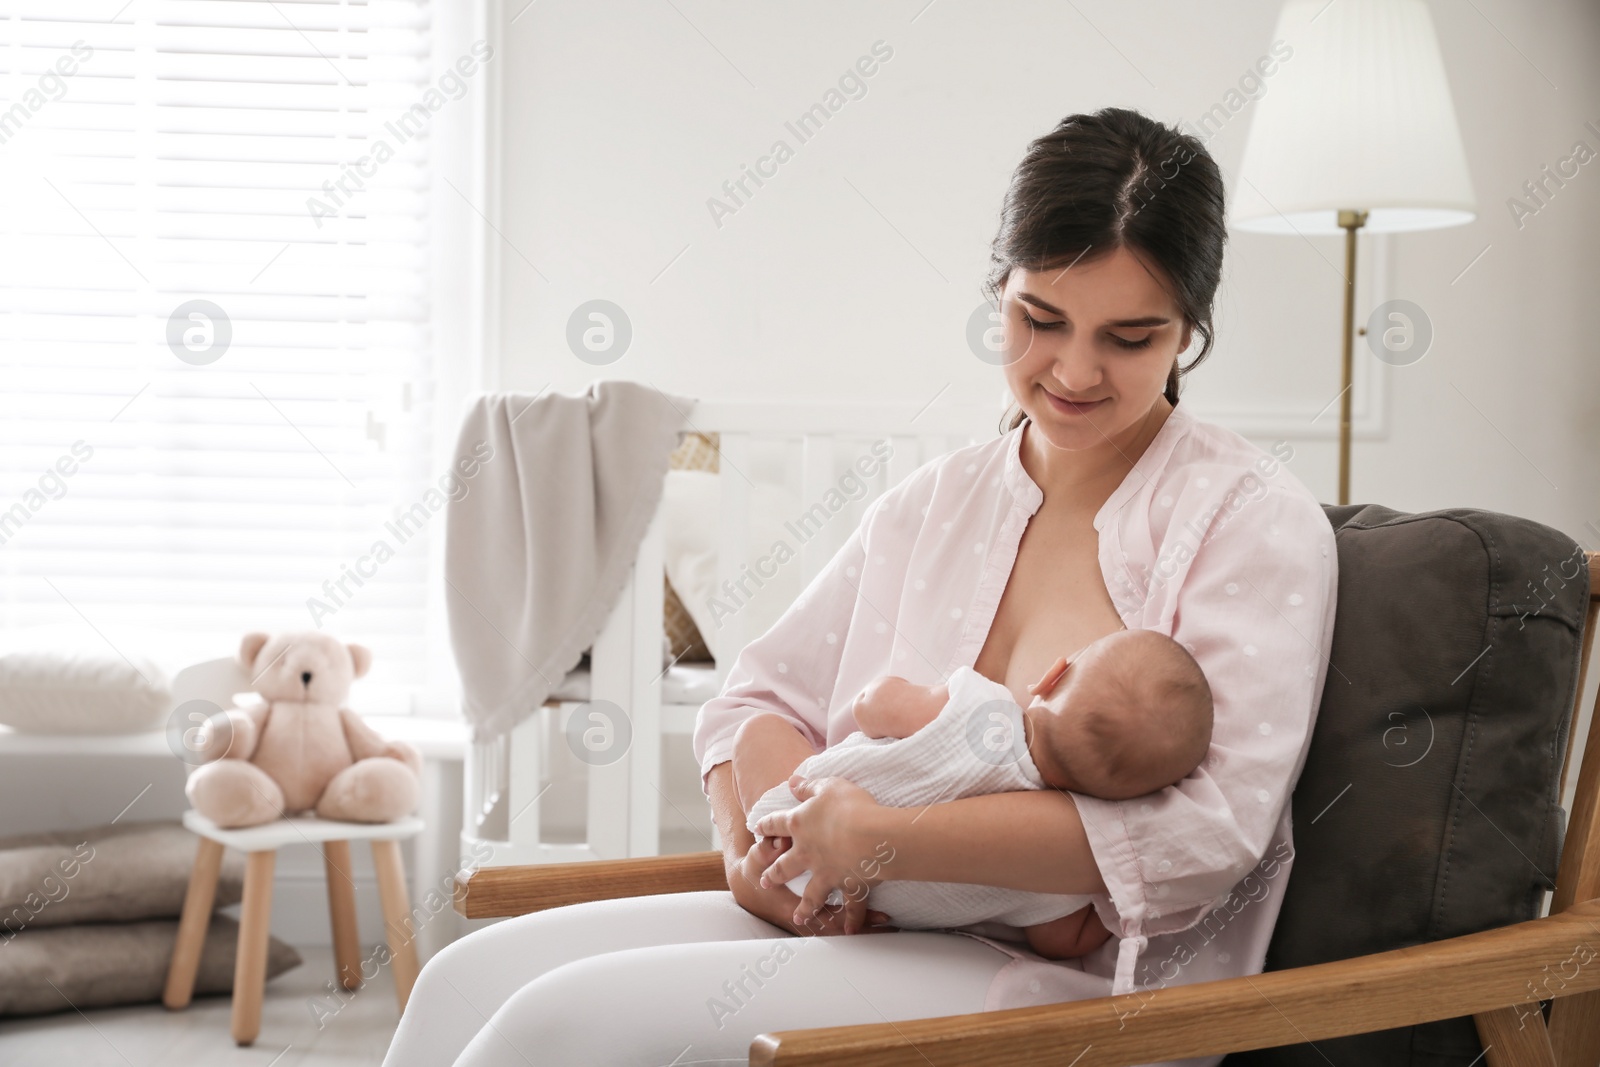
{"x":1525,"y":595}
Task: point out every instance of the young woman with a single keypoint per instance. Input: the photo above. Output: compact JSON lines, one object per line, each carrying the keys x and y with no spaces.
{"x":1102,"y":505}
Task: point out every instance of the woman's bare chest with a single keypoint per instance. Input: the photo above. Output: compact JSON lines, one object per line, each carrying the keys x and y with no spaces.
{"x":1055,"y":602}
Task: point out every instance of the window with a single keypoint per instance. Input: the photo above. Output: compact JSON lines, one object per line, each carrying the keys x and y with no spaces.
{"x":218,"y":286}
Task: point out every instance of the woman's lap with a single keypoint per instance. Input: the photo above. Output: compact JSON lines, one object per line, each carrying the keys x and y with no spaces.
{"x":674,"y":978}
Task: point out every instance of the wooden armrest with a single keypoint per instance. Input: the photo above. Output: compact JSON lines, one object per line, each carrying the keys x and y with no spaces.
{"x":493,"y":892}
{"x":1496,"y":969}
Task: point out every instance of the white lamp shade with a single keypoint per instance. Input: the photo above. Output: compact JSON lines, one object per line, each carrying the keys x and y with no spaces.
{"x":1358,"y":117}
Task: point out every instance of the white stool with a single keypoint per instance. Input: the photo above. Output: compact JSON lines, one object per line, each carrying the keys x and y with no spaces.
{"x":261,"y":844}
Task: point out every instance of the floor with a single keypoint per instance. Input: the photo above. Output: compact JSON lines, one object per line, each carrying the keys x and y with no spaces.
{"x":353,"y":1031}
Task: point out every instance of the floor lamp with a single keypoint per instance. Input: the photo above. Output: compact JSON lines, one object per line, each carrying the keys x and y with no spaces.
{"x":1354,"y":130}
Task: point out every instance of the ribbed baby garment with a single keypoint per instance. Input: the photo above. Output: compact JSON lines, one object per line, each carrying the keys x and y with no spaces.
{"x":974,"y":747}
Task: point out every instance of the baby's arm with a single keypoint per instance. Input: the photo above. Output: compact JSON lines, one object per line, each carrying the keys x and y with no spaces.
{"x":893,"y":707}
{"x":766,"y":750}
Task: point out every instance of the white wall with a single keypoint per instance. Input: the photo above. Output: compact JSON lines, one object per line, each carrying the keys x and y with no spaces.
{"x":852,"y":272}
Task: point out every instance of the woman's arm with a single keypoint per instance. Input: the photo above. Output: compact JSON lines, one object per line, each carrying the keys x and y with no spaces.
{"x":766,"y":752}
{"x":1032,"y":841}
{"x":790,"y":671}
{"x":1022,"y":840}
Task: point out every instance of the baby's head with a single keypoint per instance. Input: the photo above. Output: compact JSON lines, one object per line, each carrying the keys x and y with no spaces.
{"x":1131,"y":715}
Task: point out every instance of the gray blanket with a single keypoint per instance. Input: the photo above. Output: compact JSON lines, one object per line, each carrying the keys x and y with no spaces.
{"x":561,"y":491}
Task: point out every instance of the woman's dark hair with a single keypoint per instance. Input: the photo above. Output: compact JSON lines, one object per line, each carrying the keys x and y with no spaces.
{"x":1109,"y":180}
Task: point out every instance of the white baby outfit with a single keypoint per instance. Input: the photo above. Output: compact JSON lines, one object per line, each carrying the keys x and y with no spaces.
{"x":975,"y":746}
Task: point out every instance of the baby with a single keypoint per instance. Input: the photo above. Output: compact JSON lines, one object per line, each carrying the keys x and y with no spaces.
{"x":1125,"y":716}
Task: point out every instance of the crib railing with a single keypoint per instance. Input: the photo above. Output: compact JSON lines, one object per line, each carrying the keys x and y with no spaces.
{"x":507,"y":777}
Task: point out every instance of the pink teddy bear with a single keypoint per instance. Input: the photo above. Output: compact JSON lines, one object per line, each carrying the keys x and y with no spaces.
{"x":302,"y":749}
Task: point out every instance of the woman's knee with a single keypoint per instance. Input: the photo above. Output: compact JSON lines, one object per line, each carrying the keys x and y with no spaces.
{"x":638,"y":1005}
{"x":489,"y":965}
{"x":482,"y":967}
{"x":443,"y":975}
{"x":565,"y":1016}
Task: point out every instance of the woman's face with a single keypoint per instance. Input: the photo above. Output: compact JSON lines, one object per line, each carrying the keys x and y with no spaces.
{"x":1102,"y":332}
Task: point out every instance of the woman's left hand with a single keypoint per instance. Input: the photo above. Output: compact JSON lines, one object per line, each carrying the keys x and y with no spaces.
{"x":830,"y":836}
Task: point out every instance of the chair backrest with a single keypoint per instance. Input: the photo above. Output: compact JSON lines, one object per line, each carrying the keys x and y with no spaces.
{"x":1578,"y":877}
{"x":1429,"y":805}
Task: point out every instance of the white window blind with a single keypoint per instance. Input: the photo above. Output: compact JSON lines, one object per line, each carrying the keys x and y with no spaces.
{"x":158,"y":491}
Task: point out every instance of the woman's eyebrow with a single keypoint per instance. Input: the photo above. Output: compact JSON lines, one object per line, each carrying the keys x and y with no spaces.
{"x":1147,"y":320}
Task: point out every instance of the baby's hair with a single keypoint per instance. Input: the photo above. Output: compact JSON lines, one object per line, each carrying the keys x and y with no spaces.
{"x":1148,"y":723}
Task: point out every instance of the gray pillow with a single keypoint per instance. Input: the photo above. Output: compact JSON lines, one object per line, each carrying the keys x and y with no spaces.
{"x":103,"y":964}
{"x":113,"y":873}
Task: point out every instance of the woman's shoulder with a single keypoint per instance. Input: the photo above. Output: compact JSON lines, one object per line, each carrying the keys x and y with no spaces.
{"x":956,"y":474}
{"x":1212,"y":465}
{"x":1219,"y":513}
{"x":968,"y":464}
{"x":1220,"y":495}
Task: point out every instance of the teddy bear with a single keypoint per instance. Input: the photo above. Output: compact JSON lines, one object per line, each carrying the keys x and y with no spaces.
{"x":301,"y":749}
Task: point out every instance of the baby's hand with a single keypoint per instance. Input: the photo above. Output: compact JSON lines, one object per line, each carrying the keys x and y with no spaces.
{"x":1044,"y":685}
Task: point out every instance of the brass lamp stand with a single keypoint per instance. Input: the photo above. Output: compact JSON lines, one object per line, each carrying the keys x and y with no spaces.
{"x":1350,"y":221}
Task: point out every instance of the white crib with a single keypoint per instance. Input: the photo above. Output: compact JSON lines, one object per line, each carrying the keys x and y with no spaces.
{"x":506,"y":778}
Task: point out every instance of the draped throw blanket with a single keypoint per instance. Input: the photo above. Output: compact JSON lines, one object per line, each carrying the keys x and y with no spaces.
{"x":555,"y":494}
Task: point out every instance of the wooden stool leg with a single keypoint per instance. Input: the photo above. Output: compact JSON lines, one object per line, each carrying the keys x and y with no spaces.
{"x":250,"y":965}
{"x":342,"y":914}
{"x":396,"y":917}
{"x":1515,"y":1038}
{"x":192,"y":926}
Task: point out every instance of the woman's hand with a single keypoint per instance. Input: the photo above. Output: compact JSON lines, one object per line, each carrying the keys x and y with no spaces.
{"x":829,"y":835}
{"x":779,"y":906}
{"x":745,"y":858}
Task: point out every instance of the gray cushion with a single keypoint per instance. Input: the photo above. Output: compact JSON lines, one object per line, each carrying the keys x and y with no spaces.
{"x":112,"y":873}
{"x":102,"y":964}
{"x":1428,"y":807}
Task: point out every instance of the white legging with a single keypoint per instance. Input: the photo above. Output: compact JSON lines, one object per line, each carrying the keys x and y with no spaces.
{"x":686,"y":978}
